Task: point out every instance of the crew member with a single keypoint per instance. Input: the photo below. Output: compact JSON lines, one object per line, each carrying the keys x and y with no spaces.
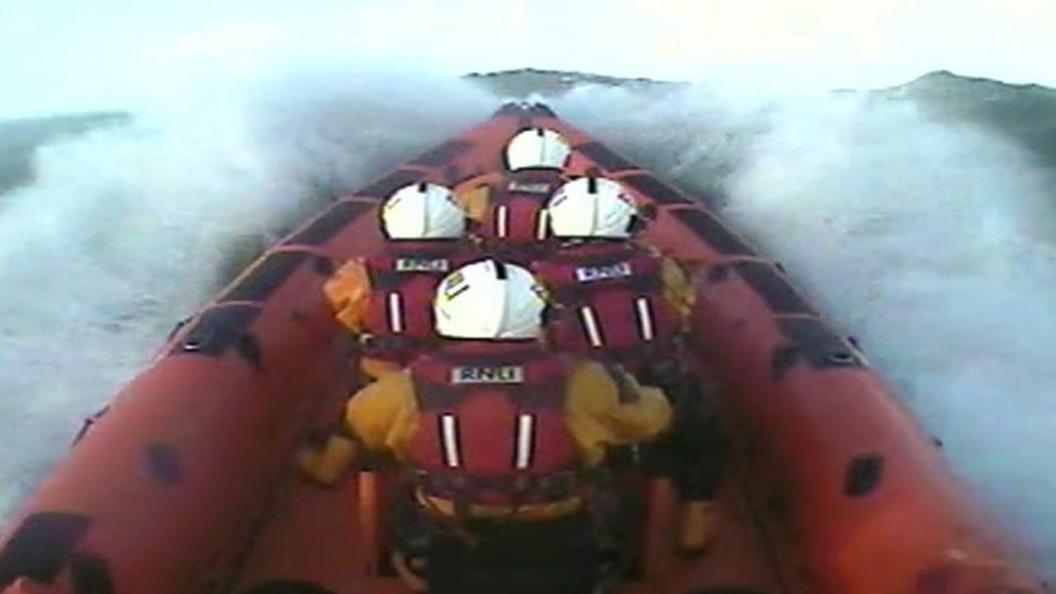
{"x":386,"y":299}
{"x":510,"y":207}
{"x":499,"y":432}
{"x":623,"y":302}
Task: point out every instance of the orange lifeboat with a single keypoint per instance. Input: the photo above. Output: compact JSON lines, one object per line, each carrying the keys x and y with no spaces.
{"x":186,"y":484}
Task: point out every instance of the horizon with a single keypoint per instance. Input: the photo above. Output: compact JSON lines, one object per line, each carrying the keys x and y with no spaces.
{"x":109,"y":55}
{"x":118,"y":111}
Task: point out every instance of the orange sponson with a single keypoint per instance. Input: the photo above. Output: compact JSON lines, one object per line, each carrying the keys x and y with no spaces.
{"x":185,"y":485}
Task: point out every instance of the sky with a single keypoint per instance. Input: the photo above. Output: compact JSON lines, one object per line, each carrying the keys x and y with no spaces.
{"x":69,"y":55}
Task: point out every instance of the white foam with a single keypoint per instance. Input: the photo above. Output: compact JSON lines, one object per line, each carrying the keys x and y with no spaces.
{"x":929,"y":241}
{"x":127,"y":230}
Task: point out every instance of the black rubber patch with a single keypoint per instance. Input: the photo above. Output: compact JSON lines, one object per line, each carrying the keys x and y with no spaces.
{"x":443,"y":153}
{"x":655,"y":189}
{"x":863,"y":475}
{"x":248,"y":347}
{"x":216,"y":330}
{"x":336,"y":218}
{"x":266,"y":277}
{"x":41,"y":546}
{"x":390,"y":183}
{"x":784,"y":358}
{"x":163,"y":463}
{"x":780,"y":297}
{"x":287,"y":587}
{"x":91,"y":575}
{"x":713,"y":232}
{"x":605,"y":158}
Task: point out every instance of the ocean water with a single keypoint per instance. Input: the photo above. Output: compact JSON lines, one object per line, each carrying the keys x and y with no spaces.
{"x":931,"y":242}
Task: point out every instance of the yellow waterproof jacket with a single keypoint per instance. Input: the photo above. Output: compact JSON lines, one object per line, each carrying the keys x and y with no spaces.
{"x":475,"y":194}
{"x":678,"y":287}
{"x":349,"y":291}
{"x":601,"y":411}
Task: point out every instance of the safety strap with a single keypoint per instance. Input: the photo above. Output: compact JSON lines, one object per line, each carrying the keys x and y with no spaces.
{"x":394,"y":306}
{"x":593,"y":330}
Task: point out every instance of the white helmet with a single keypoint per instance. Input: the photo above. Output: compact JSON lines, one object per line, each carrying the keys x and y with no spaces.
{"x":591,"y":207}
{"x":489,"y":300}
{"x":537,"y":148}
{"x":423,"y":211}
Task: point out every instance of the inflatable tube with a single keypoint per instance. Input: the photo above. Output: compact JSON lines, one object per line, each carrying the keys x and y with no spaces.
{"x":185,"y":485}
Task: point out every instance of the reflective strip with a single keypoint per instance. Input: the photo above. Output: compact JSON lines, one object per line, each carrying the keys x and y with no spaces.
{"x":501,"y":220}
{"x":645,"y":318}
{"x":525,"y":435}
{"x":449,"y":435}
{"x":590,"y":323}
{"x":541,"y":224}
{"x":395,"y":313}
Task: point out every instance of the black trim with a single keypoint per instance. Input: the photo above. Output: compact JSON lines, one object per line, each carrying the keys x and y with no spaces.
{"x":323,"y":265}
{"x":655,"y":189}
{"x":605,"y":158}
{"x":337,"y":217}
{"x":542,"y":109}
{"x":287,"y":587}
{"x":713,"y":232}
{"x":510,"y":108}
{"x":442,"y":154}
{"x":864,"y":474}
{"x":88,"y":423}
{"x":811,"y":341}
{"x":266,"y":277}
{"x":41,"y":546}
{"x":163,"y":463}
{"x":769,"y":284}
{"x":216,"y":330}
{"x":822,"y":347}
{"x":727,"y":590}
{"x":718,"y":273}
{"x":176,"y":327}
{"x":385,"y":186}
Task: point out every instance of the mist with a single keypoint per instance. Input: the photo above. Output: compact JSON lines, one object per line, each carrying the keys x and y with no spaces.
{"x":930,"y":242}
{"x":129,"y":229}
